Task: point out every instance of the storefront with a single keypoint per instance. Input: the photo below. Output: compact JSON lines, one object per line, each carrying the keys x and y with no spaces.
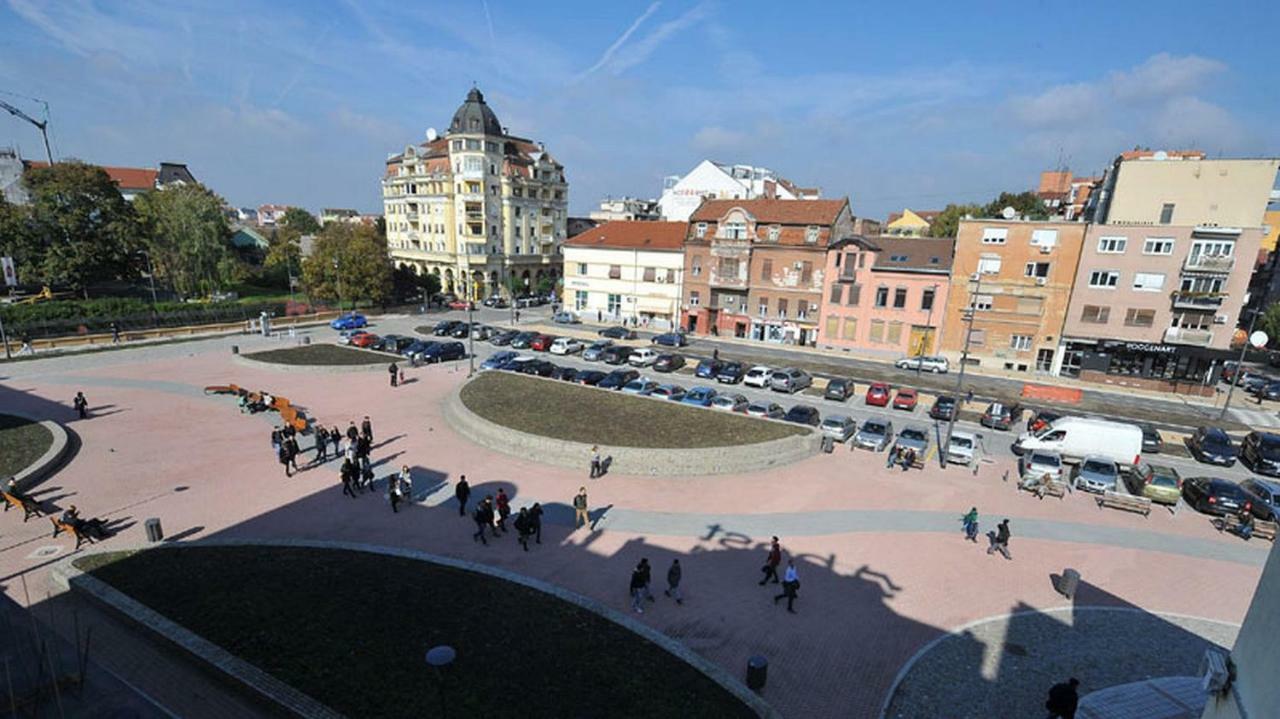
{"x":1145,"y":365}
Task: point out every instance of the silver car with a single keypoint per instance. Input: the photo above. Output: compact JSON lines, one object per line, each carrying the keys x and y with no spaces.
{"x":1096,"y":474}
{"x":789,"y":380}
{"x":839,"y":427}
{"x":772,"y":410}
{"x":730,"y":402}
{"x":594,"y":350}
{"x":1034,"y":465}
{"x":914,"y":438}
{"x":875,"y":435}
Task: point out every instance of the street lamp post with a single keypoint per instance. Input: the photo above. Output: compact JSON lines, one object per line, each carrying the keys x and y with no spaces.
{"x":151,"y":274}
{"x":471,"y":329}
{"x":1235,"y":378}
{"x":337,"y":271}
{"x":964,"y":356}
{"x":928,"y":332}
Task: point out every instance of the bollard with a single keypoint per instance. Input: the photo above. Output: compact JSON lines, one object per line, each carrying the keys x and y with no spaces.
{"x":306,"y":339}
{"x":828,"y":445}
{"x":154,"y":532}
{"x":757,"y":672}
{"x":235,"y":349}
{"x":1069,"y":582}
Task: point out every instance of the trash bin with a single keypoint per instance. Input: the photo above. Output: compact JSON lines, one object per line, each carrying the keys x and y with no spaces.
{"x":757,"y":672}
{"x":154,"y":532}
{"x":828,"y":445}
{"x":235,"y":349}
{"x":306,"y":339}
{"x":1068,"y":583}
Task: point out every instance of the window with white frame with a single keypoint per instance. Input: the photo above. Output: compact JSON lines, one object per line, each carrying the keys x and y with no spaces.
{"x":989,"y":264}
{"x":1158,"y":246}
{"x":811,"y":234}
{"x":1044,"y":238}
{"x":582,"y":268}
{"x":775,"y":231}
{"x":733,"y":230}
{"x":694,"y":298}
{"x":1148,"y":282}
{"x":1104,"y":279}
{"x":994,"y":235}
{"x":983,"y":302}
{"x":1021,"y":343}
{"x":1112,"y":245}
{"x":700,"y":230}
{"x":580,"y":300}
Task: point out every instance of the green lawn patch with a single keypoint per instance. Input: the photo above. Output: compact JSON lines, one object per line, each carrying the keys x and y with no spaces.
{"x":351,"y":629}
{"x":22,"y":442}
{"x":321,"y":354}
{"x":593,"y":416}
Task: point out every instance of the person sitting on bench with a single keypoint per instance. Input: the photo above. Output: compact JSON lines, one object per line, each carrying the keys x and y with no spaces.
{"x":1245,"y":530}
{"x":95,"y":528}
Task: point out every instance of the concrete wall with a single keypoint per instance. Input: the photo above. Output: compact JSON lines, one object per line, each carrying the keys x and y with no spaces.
{"x":1256,"y":691}
{"x":1227,"y":193}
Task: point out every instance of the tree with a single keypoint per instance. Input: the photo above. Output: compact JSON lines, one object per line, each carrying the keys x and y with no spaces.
{"x":947,"y":223}
{"x":83,"y":229}
{"x":348,"y":262}
{"x":188,"y":239}
{"x":300,"y":221}
{"x":1269,"y":322}
{"x":17,"y":241}
{"x":1026,"y":204}
{"x":545,"y":285}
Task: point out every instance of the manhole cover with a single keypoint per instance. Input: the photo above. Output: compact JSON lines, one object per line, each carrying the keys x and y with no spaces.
{"x":1016,"y":649}
{"x":45,"y":552}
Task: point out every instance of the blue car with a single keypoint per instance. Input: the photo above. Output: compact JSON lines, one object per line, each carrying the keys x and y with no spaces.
{"x":700,"y":396}
{"x":415,"y":348}
{"x":498,"y":359}
{"x":671,"y":339}
{"x":708,"y":369}
{"x":442,"y":351}
{"x":640,"y":386}
{"x":352,"y":321}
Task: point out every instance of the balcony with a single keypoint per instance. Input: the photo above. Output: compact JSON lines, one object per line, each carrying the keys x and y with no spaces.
{"x":475,"y":216}
{"x":1209,"y":263}
{"x":1188,"y":336}
{"x":847,"y":274}
{"x":1206,"y":301}
{"x":716,"y":279}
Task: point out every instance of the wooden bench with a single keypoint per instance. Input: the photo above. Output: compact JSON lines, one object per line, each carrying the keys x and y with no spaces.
{"x":1045,"y":488}
{"x":28,"y":506}
{"x":60,"y":526}
{"x":223,"y":389}
{"x":1129,"y":502}
{"x":1261,"y":528}
{"x":290,"y":414}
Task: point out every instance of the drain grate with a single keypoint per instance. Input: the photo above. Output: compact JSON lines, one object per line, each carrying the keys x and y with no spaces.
{"x":45,"y":552}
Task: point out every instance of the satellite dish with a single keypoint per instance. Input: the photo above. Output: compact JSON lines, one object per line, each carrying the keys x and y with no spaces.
{"x":1008,"y":213}
{"x":432,"y":134}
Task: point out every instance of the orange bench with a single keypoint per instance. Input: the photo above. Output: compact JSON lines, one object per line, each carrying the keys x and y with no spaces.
{"x":28,"y":506}
{"x":282,"y":405}
{"x":60,"y":526}
{"x":223,"y":389}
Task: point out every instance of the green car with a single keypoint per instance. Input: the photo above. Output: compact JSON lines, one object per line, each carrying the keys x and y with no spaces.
{"x":1156,"y":482}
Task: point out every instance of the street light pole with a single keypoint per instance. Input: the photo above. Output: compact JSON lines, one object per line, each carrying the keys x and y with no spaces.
{"x":928,"y":330}
{"x":1235,"y":378}
{"x":964,"y":356}
{"x":337,"y":271}
{"x":471,"y":331}
{"x":151,"y":274}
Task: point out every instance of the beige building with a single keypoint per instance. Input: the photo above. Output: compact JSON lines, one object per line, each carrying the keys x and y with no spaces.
{"x":1184,"y":188}
{"x":1253,"y":692}
{"x":626,"y":270}
{"x":477,"y":203}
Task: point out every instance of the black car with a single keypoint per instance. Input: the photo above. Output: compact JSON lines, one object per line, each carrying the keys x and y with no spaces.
{"x":502,"y":338}
{"x":839,"y":389}
{"x":708,"y":368}
{"x":803,"y":414}
{"x":616,"y":354}
{"x":670,"y":339}
{"x":461,"y":331}
{"x":1270,"y":391}
{"x":443,"y":351}
{"x":444,"y":327}
{"x":1211,"y":495}
{"x":617,"y":333}
{"x":590,"y":377}
{"x":1260,"y":451}
{"x":944,"y":408}
{"x":568,"y":374}
{"x":395,"y":343}
{"x":618,"y":378}
{"x":1152,"y":442}
{"x":1211,"y":445}
{"x":730,"y":373}
{"x":668,"y":363}
{"x":522,"y":340}
{"x":496,"y":302}
{"x":539,"y":367}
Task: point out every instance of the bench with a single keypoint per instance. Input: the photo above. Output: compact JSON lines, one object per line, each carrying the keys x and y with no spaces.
{"x":1129,"y":502}
{"x":1261,"y":528}
{"x":28,"y":506}
{"x":1045,"y":488}
{"x":289,"y":414}
{"x":60,"y":526}
{"x":223,"y":389}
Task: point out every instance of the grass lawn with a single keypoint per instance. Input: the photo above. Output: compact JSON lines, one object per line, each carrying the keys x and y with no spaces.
{"x":352,"y":629}
{"x":21,"y":443}
{"x":321,"y":354}
{"x":594,"y":416}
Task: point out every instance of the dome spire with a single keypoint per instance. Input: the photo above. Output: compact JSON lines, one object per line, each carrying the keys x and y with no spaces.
{"x":474,"y":116}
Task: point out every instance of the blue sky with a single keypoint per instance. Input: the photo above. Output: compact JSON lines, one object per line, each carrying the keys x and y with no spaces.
{"x":891,"y":104}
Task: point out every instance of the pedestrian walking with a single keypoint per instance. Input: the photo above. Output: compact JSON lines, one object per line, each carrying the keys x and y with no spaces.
{"x":1063,"y":699}
{"x":595,"y":462}
{"x":673,"y":582}
{"x":395,"y":372}
{"x":292,"y":451}
{"x":395,"y":492}
{"x":322,"y":444}
{"x":364,"y":447}
{"x":277,"y":438}
{"x":336,"y":437}
{"x":283,"y":454}
{"x":350,"y":453}
{"x":637,"y":589}
{"x":523,"y":528}
{"x":970,"y":523}
{"x":352,"y":432}
{"x":462,"y":492}
{"x":715,"y":354}
{"x":115,"y":333}
{"x":481,"y":519}
{"x":770,"y":567}
{"x":535,"y":521}
{"x":504,"y":509}
{"x":968,"y":397}
{"x":81,"y":404}
{"x":647,"y":570}
{"x":599,"y":316}
{"x":406,"y":483}
{"x":1001,"y":543}
{"x":346,"y":474}
{"x":580,"y":516}
{"x":790,"y":586}
{"x":366,"y":428}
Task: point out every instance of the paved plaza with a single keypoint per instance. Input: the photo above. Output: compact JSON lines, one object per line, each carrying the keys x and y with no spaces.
{"x":883,"y":565}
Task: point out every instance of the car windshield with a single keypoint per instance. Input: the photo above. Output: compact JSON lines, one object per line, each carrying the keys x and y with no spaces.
{"x":873,"y":428}
{"x":1162,"y":479}
{"x":962,"y":442}
{"x":1094,"y":466}
{"x":1270,"y":447}
{"x":1046,"y":460}
{"x":834,"y":422}
{"x":946,"y":402}
{"x":912,"y":435}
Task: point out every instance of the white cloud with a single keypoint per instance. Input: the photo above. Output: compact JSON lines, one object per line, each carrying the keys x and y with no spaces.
{"x":716,"y":139}
{"x":1062,"y":105}
{"x":1191,"y":122}
{"x":1164,"y":75}
{"x":622,"y":39}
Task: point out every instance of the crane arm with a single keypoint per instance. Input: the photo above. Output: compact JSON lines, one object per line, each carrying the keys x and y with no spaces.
{"x":20,"y":114}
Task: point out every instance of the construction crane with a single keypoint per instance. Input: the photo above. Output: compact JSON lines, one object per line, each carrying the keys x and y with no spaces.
{"x":42,"y":125}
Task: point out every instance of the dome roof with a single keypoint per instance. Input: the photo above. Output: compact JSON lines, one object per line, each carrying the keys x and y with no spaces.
{"x":474,"y":116}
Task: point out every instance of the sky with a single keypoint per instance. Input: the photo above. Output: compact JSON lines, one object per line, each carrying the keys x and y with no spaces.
{"x":909,"y":104}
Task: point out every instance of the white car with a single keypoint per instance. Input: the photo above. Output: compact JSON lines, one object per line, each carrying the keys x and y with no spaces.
{"x":961,"y":448}
{"x":1034,"y":465}
{"x":758,"y":376}
{"x":939,"y":365}
{"x":566,"y":346}
{"x":643,"y":357}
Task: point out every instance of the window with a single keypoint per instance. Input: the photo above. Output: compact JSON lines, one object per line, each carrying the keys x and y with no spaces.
{"x":774,"y":232}
{"x":806,"y":272}
{"x":877,"y":331}
{"x":649,"y":274}
{"x":671,"y":275}
{"x":696,"y":266}
{"x":926,"y":300}
{"x":897,"y":258}
{"x":582,"y":268}
{"x":1211,"y":285}
{"x":733,"y":231}
{"x":491,"y":147}
{"x":832,"y":326}
{"x":1148,"y":282}
{"x":1166,"y":213}
{"x":855,"y":293}
{"x":1112,"y":245}
{"x":1104,"y":279}
{"x":811,"y":234}
{"x":837,"y":291}
{"x":1095,"y":314}
{"x":473,"y":164}
{"x":694,"y":298}
{"x":728,"y":268}
{"x":763,"y":307}
{"x":517,"y":192}
{"x":1044,"y":238}
{"x":782,"y":307}
{"x":899,"y":298}
{"x":994,"y":235}
{"x":580,"y":300}
{"x":989,"y":264}
{"x":700,"y":230}
{"x":850,"y":328}
{"x":978,"y":337}
{"x":615,"y":304}
{"x":1157,"y":246}
{"x":983,"y":302}
{"x":473,"y":144}
{"x":895,"y":333}
{"x":882,"y":296}
{"x":1021,"y":343}
{"x":1139,"y":318}
{"x":766,"y":270}
{"x":1037,"y":269}
{"x":615,"y":272}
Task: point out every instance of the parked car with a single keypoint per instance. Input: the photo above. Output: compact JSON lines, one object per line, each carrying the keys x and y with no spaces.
{"x":1035,"y":465}
{"x":938,"y":365}
{"x":1042,"y":418}
{"x":914,"y":438}
{"x":1212,"y":445}
{"x":1077,"y":437}
{"x":640,"y":386}
{"x":672,"y":392}
{"x":462,"y":330}
{"x":522,"y":340}
{"x":839,"y":427}
{"x":730,"y":402}
{"x":460,"y":305}
{"x":1157,"y":482}
{"x":789,"y":380}
{"x":875,"y":435}
{"x":906,"y":399}
{"x":771,"y":410}
{"x":443,"y":351}
{"x":415,"y":348}
{"x":642,"y":357}
{"x":566,"y":346}
{"x":617,"y":333}
{"x":1253,"y":381}
{"x":1260,"y":452}
{"x":700,"y":396}
{"x":962,"y":447}
{"x":617,"y":354}
{"x":595,"y":349}
{"x":539,"y":367}
{"x":670,"y":339}
{"x":387,"y":343}
{"x":368,"y":339}
{"x":1000,"y":416}
{"x":708,"y":368}
{"x":839,"y":389}
{"x":757,"y":376}
{"x":730,"y":373}
{"x":803,"y":414}
{"x":1270,"y":391}
{"x":345,"y":336}
{"x":944,"y":408}
{"x":351,"y":321}
{"x":498,"y":359}
{"x":1210,"y":495}
{"x":1095,"y":473}
{"x":397,"y":345}
{"x":493,"y":301}
{"x":1152,"y":442}
{"x":503,"y":338}
{"x":1265,"y":495}
{"x":566,"y":318}
{"x":541,"y":343}
{"x":590,"y":377}
{"x":567,"y":374}
{"x":482,"y":332}
{"x":668,"y":363}
{"x":877,"y":394}
{"x":618,"y":378}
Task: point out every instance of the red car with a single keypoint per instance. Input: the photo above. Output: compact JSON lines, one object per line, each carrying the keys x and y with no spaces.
{"x":541,"y":343}
{"x":461,"y":305}
{"x":364,"y":340}
{"x":878,"y":394}
{"x":906,"y":399}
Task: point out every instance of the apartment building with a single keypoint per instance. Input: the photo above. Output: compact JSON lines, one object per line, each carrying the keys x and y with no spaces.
{"x":1146,"y":187}
{"x":625,"y":208}
{"x":1009,"y":292}
{"x":626,"y":270}
{"x":681,"y":195}
{"x":885,"y":294}
{"x":755,"y":268}
{"x":479,"y":207}
{"x":910,"y":223}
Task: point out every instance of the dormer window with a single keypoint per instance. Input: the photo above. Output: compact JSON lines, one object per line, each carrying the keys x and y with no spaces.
{"x":700,"y":230}
{"x":733,"y":231}
{"x":775,"y":231}
{"x":811,"y":234}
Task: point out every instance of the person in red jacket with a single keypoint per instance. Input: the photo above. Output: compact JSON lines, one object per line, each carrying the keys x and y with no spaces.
{"x":504,"y":509}
{"x":770,"y":568}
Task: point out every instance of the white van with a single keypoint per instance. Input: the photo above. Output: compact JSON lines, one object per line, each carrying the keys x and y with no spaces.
{"x":1076,"y":437}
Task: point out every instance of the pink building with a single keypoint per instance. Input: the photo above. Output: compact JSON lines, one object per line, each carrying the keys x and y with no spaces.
{"x":885,"y":294}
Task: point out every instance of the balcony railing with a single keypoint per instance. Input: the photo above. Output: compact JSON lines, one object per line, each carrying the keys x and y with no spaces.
{"x":1188,"y":336}
{"x":475,"y":216}
{"x":725,"y":280}
{"x":1198,"y":300}
{"x":848,"y":274}
{"x":1209,"y":263}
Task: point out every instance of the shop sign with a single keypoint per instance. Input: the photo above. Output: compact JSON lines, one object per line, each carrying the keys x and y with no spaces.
{"x":1150,"y":348}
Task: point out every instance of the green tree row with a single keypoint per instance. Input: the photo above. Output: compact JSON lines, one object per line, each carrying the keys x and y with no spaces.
{"x":1026,"y":204}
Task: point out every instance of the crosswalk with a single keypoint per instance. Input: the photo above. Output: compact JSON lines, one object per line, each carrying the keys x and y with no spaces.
{"x":1256,"y":418}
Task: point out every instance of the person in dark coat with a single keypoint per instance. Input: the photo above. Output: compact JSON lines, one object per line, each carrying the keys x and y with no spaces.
{"x":481,"y":518}
{"x":366,"y":428}
{"x":347,"y":473}
{"x":364,"y":447}
{"x":523,"y":527}
{"x":336,"y":437}
{"x":395,"y":374}
{"x":535,"y":521}
{"x":674,"y":575}
{"x":648,"y":577}
{"x":81,"y":404}
{"x":1001,"y":542}
{"x":637,"y":588}
{"x":322,"y":444}
{"x":292,"y":451}
{"x":277,"y":439}
{"x":1063,"y":699}
{"x":462,"y":492}
{"x":504,"y":509}
{"x":489,"y":514}
{"x":352,"y":432}
{"x":770,"y":567}
{"x":283,"y":454}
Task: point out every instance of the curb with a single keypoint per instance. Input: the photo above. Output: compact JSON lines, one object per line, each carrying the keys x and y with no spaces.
{"x":67,"y":575}
{"x":44,"y":466}
{"x":246,"y":361}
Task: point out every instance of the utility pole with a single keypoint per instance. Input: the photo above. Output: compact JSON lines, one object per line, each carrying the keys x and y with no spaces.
{"x":964,"y":356}
{"x":42,"y":125}
{"x":337,"y":271}
{"x":471,"y":330}
{"x":1235,"y":378}
{"x":928,"y":332}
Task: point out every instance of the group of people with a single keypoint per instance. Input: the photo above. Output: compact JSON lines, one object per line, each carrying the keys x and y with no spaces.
{"x":255,"y":402}
{"x":92,"y":527}
{"x":904,"y":456}
{"x":493,"y":512}
{"x":999,"y":538}
{"x":790,"y":580}
{"x":641,"y":577}
{"x":284,"y":442}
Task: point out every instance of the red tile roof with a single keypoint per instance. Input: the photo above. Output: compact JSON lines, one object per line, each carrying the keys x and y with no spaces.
{"x":782,"y":212}
{"x":126,"y":178}
{"x":632,"y":235}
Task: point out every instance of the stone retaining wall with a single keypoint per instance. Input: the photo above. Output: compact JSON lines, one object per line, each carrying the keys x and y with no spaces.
{"x":49,"y":460}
